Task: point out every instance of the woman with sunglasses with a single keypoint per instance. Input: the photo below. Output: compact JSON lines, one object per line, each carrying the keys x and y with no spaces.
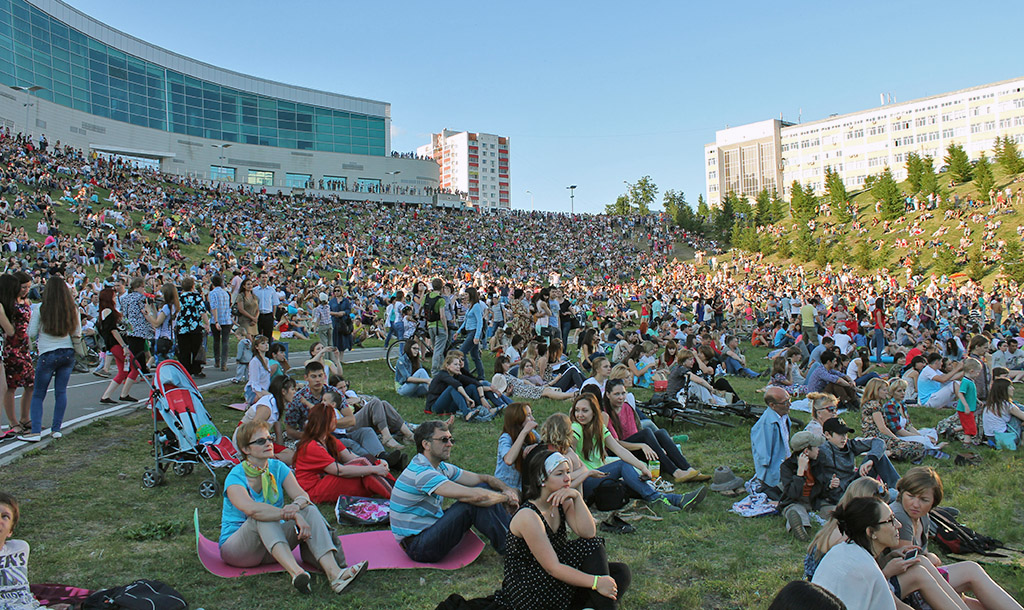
{"x":823,"y":408}
{"x":906,"y":574}
{"x":257,"y":527}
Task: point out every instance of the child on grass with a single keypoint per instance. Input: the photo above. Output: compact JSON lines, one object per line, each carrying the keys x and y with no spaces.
{"x":967,"y":401}
{"x":14,"y":587}
{"x":1000,"y":415}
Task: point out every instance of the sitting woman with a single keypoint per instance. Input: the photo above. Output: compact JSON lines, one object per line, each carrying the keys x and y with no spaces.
{"x":269,"y":409}
{"x":905,"y":575}
{"x":625,"y":427}
{"x":641,"y":363}
{"x":510,"y":385}
{"x":543,"y":568}
{"x":589,"y":349}
{"x":1001,"y":415}
{"x":667,"y":359}
{"x":601,"y":368}
{"x":257,"y":527}
{"x":517,"y":438}
{"x":278,"y":360}
{"x":881,"y":406}
{"x":557,"y":371}
{"x":859,"y":369}
{"x":782,"y":376}
{"x":330,"y":357}
{"x":896,"y":419}
{"x":911,"y":375}
{"x":594,"y":441}
{"x":327,"y":470}
{"x":411,"y":379}
{"x":690,"y":382}
{"x":290,"y":330}
{"x":920,"y":490}
{"x":449,"y":392}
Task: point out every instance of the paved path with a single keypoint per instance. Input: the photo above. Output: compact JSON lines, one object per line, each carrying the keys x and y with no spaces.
{"x":86,"y":389}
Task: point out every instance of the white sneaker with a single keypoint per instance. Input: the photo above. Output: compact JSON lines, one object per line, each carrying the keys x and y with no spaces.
{"x":29,"y":438}
{"x":56,"y":435}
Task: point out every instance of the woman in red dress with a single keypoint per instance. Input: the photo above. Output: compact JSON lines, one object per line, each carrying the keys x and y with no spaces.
{"x":327,"y":470}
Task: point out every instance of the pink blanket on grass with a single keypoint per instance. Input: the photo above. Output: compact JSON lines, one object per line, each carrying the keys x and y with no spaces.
{"x":377,"y":547}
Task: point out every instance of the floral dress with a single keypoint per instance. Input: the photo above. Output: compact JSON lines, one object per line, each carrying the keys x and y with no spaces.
{"x":527,"y":585}
{"x":898,"y":450}
{"x":17,"y":360}
{"x":782,"y":381}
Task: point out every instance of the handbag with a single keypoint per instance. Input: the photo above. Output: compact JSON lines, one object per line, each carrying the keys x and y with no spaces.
{"x":81,"y":351}
{"x":1006,"y":440}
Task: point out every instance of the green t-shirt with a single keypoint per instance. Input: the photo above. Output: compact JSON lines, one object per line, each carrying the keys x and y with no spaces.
{"x":970,"y":392}
{"x":592,"y":461}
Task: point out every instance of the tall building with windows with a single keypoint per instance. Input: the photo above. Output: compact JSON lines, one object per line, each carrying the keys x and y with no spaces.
{"x":864,"y":143}
{"x":79,"y":81}
{"x":474,"y":163}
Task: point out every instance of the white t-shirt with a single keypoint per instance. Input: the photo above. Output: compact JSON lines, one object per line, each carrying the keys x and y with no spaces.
{"x":14,"y":589}
{"x":843,"y":342}
{"x":851,"y":573}
{"x":994,"y":422}
{"x":926,"y":384}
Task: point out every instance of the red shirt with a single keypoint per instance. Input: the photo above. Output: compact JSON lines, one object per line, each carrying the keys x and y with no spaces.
{"x":310,"y":461}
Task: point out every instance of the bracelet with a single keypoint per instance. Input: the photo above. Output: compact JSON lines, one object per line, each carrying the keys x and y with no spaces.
{"x":595,"y":582}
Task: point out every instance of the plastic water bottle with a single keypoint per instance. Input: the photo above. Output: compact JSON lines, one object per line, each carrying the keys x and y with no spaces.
{"x":680,"y":438}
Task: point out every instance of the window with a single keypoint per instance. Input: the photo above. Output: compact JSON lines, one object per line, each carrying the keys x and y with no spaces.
{"x":298,"y":181}
{"x":222,"y":174}
{"x":259,"y":177}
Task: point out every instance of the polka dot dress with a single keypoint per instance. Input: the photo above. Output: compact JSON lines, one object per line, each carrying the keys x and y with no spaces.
{"x":527,"y":585}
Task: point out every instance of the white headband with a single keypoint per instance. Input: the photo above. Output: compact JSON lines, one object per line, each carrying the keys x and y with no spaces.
{"x":552,"y":462}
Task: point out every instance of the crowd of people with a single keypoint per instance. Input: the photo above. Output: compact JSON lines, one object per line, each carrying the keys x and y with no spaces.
{"x":583,"y":321}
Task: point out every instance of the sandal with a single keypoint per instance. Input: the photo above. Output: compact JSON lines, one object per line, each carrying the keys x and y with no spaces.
{"x":391,"y":443}
{"x":349,"y":576}
{"x":301,"y":583}
{"x":663,"y":486}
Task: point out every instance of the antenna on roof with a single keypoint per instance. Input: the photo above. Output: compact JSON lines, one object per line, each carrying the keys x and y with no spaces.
{"x":800,"y":115}
{"x":881,"y":99}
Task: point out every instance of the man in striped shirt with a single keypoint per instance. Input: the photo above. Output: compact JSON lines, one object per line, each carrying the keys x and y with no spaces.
{"x":425,"y":531}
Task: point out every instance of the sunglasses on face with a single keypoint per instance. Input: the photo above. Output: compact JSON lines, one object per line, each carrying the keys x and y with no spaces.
{"x":445,"y":440}
{"x":260,"y":441}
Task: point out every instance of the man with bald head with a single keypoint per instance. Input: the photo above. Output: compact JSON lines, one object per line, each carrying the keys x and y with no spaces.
{"x":769,"y":440}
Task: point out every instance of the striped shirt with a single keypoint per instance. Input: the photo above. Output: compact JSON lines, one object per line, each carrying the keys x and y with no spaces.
{"x":414,"y":506}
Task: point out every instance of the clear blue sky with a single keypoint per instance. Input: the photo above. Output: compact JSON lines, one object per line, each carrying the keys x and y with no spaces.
{"x":593,"y":93}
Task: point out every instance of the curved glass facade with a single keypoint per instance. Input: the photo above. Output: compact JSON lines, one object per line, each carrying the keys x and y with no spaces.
{"x":83,"y":73}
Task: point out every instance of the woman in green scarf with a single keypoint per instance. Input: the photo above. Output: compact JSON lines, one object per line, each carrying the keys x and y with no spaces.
{"x":257,"y":527}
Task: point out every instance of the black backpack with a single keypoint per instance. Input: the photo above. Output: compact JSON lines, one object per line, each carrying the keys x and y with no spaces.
{"x":610,"y":495}
{"x":430,"y":312}
{"x":140,"y":595}
{"x":957,"y":538}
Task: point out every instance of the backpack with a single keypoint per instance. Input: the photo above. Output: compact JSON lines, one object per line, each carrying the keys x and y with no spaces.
{"x":957,"y":538}
{"x":610,"y":495}
{"x":139,"y":595}
{"x":430,"y":312}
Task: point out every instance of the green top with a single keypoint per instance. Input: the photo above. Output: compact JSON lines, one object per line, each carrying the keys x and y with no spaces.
{"x":970,"y":392}
{"x":592,"y":461}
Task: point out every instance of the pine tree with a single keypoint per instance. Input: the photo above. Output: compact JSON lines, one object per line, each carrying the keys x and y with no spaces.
{"x":841,"y":253}
{"x":767,"y":246}
{"x":1008,"y":156}
{"x":929,"y":180}
{"x":778,"y":207}
{"x":984,"y":180}
{"x":887,"y":191}
{"x":835,"y":193}
{"x":959,"y":164}
{"x":864,"y":256}
{"x":914,"y":171}
{"x":823,"y":254}
{"x":975,"y":264}
{"x":702,"y":209}
{"x":763,"y":208}
{"x":945,"y":263}
{"x":1012,"y":265}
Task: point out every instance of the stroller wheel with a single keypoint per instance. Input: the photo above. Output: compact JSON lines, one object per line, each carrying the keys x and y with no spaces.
{"x":183,"y":469}
{"x":151,"y":478}
{"x":208,"y":488}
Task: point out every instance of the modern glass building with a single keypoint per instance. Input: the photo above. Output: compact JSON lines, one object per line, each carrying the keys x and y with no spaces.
{"x":52,"y":54}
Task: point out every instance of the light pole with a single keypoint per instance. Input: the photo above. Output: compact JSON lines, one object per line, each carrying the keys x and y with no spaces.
{"x":572,"y":196}
{"x":221,"y":147}
{"x":530,"y":193}
{"x":28,"y":96}
{"x":394,"y":179}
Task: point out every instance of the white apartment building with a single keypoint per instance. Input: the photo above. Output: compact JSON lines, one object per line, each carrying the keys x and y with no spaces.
{"x":474,"y":163}
{"x":863,"y":143}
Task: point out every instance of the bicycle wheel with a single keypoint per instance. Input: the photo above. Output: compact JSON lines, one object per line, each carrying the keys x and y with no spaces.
{"x":394,"y":351}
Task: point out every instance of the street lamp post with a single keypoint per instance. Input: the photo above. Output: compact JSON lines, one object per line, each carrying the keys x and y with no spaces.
{"x":572,"y":196}
{"x":28,"y":96}
{"x":530,"y":193}
{"x":394,"y":180}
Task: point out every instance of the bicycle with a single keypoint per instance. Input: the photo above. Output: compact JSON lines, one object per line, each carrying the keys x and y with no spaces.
{"x":395,"y":349}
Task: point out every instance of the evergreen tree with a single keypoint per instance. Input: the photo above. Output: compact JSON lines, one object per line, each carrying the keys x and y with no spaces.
{"x":841,"y":254}
{"x":763,"y":208}
{"x":1008,"y":157}
{"x":959,"y":164}
{"x":864,"y":255}
{"x":778,"y":207}
{"x":984,"y":180}
{"x":929,"y":180}
{"x":945,"y":262}
{"x":767,"y":246}
{"x":887,"y":191}
{"x":703,"y":212}
{"x":975,"y":264}
{"x":836,"y":195}
{"x":803,"y":245}
{"x":785,"y":247}
{"x":823,"y":254}
{"x":914,"y":171}
{"x":724,"y":217}
{"x":1012,"y":265}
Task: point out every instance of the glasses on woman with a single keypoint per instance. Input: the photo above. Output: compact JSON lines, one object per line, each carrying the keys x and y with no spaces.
{"x":260,"y":441}
{"x":891,"y":521}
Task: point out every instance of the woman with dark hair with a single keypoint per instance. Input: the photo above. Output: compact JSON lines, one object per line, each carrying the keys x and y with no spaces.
{"x":543,"y":568}
{"x":248,"y":308}
{"x":624,"y":425}
{"x":411,"y":379}
{"x":270,"y":408}
{"x":859,"y":368}
{"x":517,"y":438}
{"x":557,"y":373}
{"x":327,"y":470}
{"x":878,"y":322}
{"x":17,"y":355}
{"x":192,"y":322}
{"x":588,"y":348}
{"x":113,"y":333}
{"x":163,"y":328}
{"x":8,"y":294}
{"x":802,"y":595}
{"x":53,"y":323}
{"x":522,"y":387}
{"x":474,"y":327}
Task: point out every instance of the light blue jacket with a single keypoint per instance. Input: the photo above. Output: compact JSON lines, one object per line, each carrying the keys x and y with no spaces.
{"x":769,"y":443}
{"x":474,"y":322}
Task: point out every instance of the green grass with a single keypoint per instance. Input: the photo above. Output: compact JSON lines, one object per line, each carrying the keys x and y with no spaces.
{"x":90,"y":522}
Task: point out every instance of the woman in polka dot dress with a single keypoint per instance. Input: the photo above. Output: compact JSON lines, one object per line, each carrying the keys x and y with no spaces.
{"x":543,"y":568}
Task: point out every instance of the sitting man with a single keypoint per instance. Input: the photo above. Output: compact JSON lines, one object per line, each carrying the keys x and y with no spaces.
{"x":769,"y":440}
{"x":425,"y":531}
{"x":839,"y":456}
{"x":377,"y":414}
{"x":736,"y":362}
{"x":826,"y":379}
{"x":935,"y":388}
{"x":362,"y":441}
{"x":805,"y":486}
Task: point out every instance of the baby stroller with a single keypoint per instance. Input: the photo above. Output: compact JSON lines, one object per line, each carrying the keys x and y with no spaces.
{"x":189,"y":436}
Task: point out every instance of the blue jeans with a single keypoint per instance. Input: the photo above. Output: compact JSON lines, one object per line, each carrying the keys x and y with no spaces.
{"x":864,"y":379}
{"x":472,"y":350}
{"x":415,"y":390}
{"x":432,"y":544}
{"x":878,"y":340}
{"x":57,"y":364}
{"x":450,"y":401}
{"x":733,"y":367}
{"x":883,"y":468}
{"x":631,"y":478}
